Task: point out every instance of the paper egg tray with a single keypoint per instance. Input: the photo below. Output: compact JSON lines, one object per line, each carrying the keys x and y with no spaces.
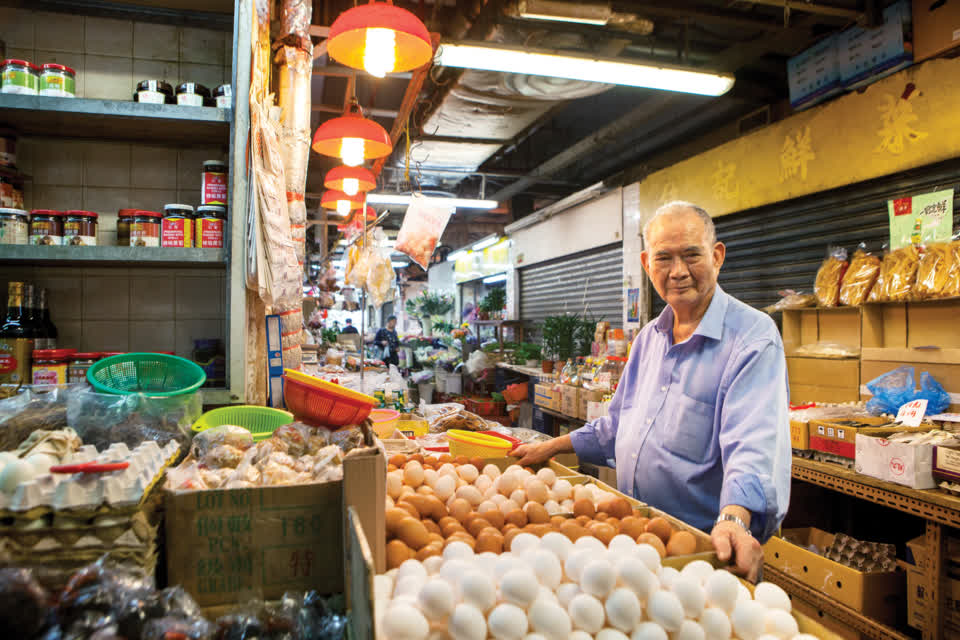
{"x":869,"y":557}
{"x":87,"y":495}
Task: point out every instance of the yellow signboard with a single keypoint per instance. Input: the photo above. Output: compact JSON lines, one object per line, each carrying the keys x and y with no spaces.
{"x":479,"y":264}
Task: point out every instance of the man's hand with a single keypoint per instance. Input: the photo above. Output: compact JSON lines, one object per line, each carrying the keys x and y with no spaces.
{"x":733,"y":543}
{"x":529,"y":454}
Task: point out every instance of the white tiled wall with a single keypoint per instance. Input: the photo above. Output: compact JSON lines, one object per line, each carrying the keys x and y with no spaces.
{"x":110,"y":56}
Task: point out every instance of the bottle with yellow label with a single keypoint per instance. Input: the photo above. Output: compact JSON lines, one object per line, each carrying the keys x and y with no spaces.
{"x":16,"y":341}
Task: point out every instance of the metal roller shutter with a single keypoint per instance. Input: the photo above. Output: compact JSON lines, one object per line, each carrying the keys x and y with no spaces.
{"x":781,"y":246}
{"x":592,"y":280}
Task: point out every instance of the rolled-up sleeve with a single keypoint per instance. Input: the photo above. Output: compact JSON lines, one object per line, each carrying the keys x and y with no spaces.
{"x":755,"y":437}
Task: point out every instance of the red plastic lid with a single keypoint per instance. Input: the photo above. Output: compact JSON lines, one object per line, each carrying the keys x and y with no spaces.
{"x":108,"y":354}
{"x":149,"y":214}
{"x":22,"y":63}
{"x":45,"y":212}
{"x":126,"y":213}
{"x":59,"y":67}
{"x":53,"y":354}
{"x":87,"y":355}
{"x":617,"y":358}
{"x":83,"y":214}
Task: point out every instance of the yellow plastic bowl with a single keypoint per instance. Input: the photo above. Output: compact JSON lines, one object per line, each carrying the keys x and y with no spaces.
{"x":384,"y":421}
{"x":477,"y":445}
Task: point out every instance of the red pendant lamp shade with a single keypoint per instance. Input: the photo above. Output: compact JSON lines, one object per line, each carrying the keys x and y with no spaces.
{"x":330,"y":198}
{"x":407,"y":48}
{"x":329,"y":137}
{"x":338,"y":177}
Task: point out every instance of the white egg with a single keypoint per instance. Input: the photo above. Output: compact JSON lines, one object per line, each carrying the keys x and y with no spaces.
{"x":468,"y":472}
{"x":546,"y":594}
{"x":524,"y":543}
{"x":580,"y":635}
{"x":394,"y":483}
{"x":667,"y":576}
{"x":567,"y":506}
{"x":445,"y":487}
{"x":716,"y":624}
{"x":689,"y":630}
{"x":519,"y":496}
{"x":634,"y":574}
{"x":550,"y":619}
{"x":507,"y":506}
{"x":433,"y":564}
{"x":590,"y":543}
{"x":665,"y":609}
{"x":622,"y":544}
{"x":562,"y":490}
{"x":586,"y":613}
{"x":535,"y":489}
{"x":804,"y":636}
{"x":576,"y":560}
{"x":566,"y":592}
{"x":771,"y":596}
{"x":382,"y":587}
{"x":742,"y":592}
{"x":498,"y":499}
{"x":722,"y":588}
{"x":546,"y":567}
{"x":485,"y":561}
{"x":508,"y":483}
{"x":430,"y":477}
{"x":507,"y":622}
{"x":42,"y":462}
{"x":700,"y":570}
{"x":691,"y":595}
{"x":403,"y":621}
{"x":453,"y":570}
{"x":471,"y":494}
{"x":648,"y":631}
{"x":457,"y":549}
{"x":506,"y":562}
{"x":409,"y":586}
{"x":388,"y":501}
{"x":392,"y":574}
{"x":478,"y":589}
{"x":447,"y":469}
{"x":483,"y":483}
{"x":436,"y":599}
{"x":467,"y":623}
{"x":411,"y":568}
{"x":582,"y":491}
{"x":491,"y":471}
{"x":515,"y":468}
{"x":766,"y":636}
{"x":558,"y":544}
{"x":534,"y":636}
{"x":598,"y":578}
{"x":780,"y":623}
{"x":611,"y":634}
{"x":486,"y":505}
{"x":748,"y":619}
{"x":623,"y":609}
{"x":649,"y":556}
{"x":519,"y":587}
{"x":547,"y":476}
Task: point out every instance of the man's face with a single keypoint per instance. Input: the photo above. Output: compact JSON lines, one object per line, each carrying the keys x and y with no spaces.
{"x":680,"y":261}
{"x":391,"y":324}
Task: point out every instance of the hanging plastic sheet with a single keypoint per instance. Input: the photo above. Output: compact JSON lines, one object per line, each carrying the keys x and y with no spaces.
{"x":423,"y":225}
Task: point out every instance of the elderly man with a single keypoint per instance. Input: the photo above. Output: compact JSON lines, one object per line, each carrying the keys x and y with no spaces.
{"x":698,"y":426}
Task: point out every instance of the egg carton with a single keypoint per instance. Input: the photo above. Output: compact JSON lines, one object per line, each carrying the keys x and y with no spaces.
{"x":868,"y":557}
{"x":46,"y":492}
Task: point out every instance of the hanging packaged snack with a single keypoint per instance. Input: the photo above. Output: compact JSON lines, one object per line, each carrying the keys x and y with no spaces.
{"x":933,"y":272}
{"x":423,"y":225}
{"x":952,"y":288}
{"x":859,"y":278}
{"x":827,"y":285}
{"x":898,"y":275}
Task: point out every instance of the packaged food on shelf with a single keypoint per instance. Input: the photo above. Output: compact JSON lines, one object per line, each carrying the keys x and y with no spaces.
{"x":80,"y":363}
{"x":20,"y":77}
{"x":144,"y":229}
{"x":934,"y":271}
{"x":192,"y":94}
{"x":214,"y":182}
{"x":46,"y":227}
{"x":210,"y":223}
{"x":58,"y":81}
{"x":177,"y":226}
{"x":898,"y":276}
{"x":859,"y":278}
{"x":14,"y":226}
{"x":50,"y":366}
{"x":826,"y":350}
{"x":11,"y":192}
{"x":223,"y":96}
{"x":826,"y":288}
{"x":154,"y":92}
{"x":80,"y":228}
{"x":124,"y":217}
{"x":903,"y":458}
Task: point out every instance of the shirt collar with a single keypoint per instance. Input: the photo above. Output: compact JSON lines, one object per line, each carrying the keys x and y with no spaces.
{"x":711,"y":325}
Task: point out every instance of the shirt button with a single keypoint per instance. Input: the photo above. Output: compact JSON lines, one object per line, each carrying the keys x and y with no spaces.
{"x":634,"y":456}
{"x":664,"y":388}
{"x":649,"y":420}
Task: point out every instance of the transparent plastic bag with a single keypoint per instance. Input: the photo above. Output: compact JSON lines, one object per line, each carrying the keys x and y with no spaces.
{"x":898,"y":276}
{"x":827,"y":350}
{"x":31,"y":408}
{"x":860,"y":277}
{"x":827,"y":285}
{"x":422,"y":227}
{"x":933,"y":392}
{"x":102,"y":419}
{"x":952,"y":288}
{"x":891,"y":391}
{"x":790,"y":299}
{"x":933,"y":271}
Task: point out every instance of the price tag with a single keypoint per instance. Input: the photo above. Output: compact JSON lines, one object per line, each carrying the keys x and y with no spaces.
{"x":911,"y":413}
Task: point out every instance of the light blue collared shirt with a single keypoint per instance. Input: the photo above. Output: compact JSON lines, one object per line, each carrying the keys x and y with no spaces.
{"x":703,"y":424}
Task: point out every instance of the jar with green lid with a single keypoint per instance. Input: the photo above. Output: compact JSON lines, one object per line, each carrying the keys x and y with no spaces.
{"x":19,"y":76}
{"x":58,"y":80}
{"x":14,"y":226}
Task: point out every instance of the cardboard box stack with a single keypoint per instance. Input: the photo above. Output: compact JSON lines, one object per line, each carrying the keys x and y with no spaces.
{"x":822,"y":379}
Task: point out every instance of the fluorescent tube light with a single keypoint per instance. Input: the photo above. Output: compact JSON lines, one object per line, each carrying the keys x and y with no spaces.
{"x":500,"y":277}
{"x":403,"y":198}
{"x":576,"y":12}
{"x":486,"y":242}
{"x":396,"y":265}
{"x":544,"y":62}
{"x":456,"y":255}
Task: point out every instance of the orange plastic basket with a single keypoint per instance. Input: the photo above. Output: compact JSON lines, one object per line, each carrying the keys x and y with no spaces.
{"x":477,"y":445}
{"x":324,"y":404}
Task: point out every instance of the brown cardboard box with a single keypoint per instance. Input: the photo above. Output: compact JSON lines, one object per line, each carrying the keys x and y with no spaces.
{"x":229,"y":545}
{"x":546,"y":396}
{"x":839,"y":437}
{"x":873,"y":594}
{"x":586,"y":397}
{"x":840,"y":325}
{"x":823,"y":379}
{"x":569,"y":400}
{"x":799,"y":434}
{"x":936,"y":28}
{"x":606,"y":475}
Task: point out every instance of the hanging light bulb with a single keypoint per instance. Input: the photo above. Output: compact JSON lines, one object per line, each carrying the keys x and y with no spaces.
{"x":380,"y":51}
{"x":340,"y":202}
{"x":351,"y":151}
{"x":351,"y":186}
{"x":343,"y":207}
{"x":350,"y":180}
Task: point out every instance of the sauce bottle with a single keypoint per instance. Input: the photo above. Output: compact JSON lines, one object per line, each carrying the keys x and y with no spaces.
{"x":16,"y":341}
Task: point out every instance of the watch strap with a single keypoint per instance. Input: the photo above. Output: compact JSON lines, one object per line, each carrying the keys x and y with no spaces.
{"x":729,"y":517}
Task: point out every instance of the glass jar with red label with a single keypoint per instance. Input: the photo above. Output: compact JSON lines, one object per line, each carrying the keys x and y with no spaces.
{"x":80,"y":228}
{"x":50,"y":365}
{"x":145,"y":229}
{"x":177,"y":225}
{"x":211,"y":220}
{"x":123,"y":226}
{"x":214,"y":186}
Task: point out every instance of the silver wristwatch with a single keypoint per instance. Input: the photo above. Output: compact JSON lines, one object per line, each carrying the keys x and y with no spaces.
{"x":729,"y":517}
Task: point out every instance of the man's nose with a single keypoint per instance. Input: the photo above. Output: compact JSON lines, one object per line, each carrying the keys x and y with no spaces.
{"x":678,"y":270}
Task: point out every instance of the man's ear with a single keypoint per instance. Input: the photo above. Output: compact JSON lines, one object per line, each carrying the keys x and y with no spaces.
{"x":645,"y":261}
{"x":719,"y":254}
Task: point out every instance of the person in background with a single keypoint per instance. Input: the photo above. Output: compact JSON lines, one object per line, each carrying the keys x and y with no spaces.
{"x":698,"y":426}
{"x":349,"y":328}
{"x":388,"y":340}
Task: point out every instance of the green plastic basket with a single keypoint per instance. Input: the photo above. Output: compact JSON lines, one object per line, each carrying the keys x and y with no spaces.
{"x":260,"y":421}
{"x":154,"y":374}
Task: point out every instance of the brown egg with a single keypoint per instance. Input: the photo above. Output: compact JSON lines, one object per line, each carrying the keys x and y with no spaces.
{"x":653,"y":541}
{"x":438,"y":510}
{"x":409,"y":508}
{"x":509,"y":536}
{"x":681,"y":543}
{"x":460,"y":509}
{"x":431,"y":526}
{"x":643,"y":520}
{"x":424,"y":490}
{"x":660,"y":528}
{"x":507,"y":528}
{"x":638,"y":513}
{"x":536,"y":513}
{"x":450,"y":528}
{"x":469,"y":540}
{"x":477,"y":525}
{"x":397,"y":554}
{"x":418,"y":457}
{"x":432,"y":549}
{"x":516,"y":517}
{"x":584,"y":507}
{"x":556,"y":521}
{"x":600,"y":517}
{"x":420,"y":503}
{"x":436,"y":537}
{"x":613,"y":522}
{"x":572,"y":530}
{"x":616,"y":507}
{"x":602,"y":532}
{"x":391,"y":467}
{"x":393,"y":518}
{"x":398,"y":460}
{"x":632,"y":527}
{"x":494,"y":517}
{"x":489,"y":540}
{"x":445,"y":458}
{"x":538,"y":530}
{"x":477,"y":462}
{"x":461,"y":460}
{"x":442,"y":522}
{"x":583,"y":521}
{"x":413,"y":533}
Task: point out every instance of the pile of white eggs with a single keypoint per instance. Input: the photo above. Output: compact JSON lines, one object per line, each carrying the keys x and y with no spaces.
{"x":553,"y":589}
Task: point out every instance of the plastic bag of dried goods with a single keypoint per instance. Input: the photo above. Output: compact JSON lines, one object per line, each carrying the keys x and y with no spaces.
{"x":891,"y":391}
{"x":933,"y":272}
{"x":827,"y":285}
{"x":859,"y":278}
{"x":898,"y":276}
{"x":423,"y":225}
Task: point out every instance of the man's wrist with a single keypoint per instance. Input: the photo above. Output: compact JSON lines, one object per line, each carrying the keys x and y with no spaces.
{"x":729,"y":517}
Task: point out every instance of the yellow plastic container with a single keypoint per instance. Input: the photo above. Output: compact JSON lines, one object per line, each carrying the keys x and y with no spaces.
{"x":384,"y":421}
{"x":414,"y":428}
{"x":477,"y":445}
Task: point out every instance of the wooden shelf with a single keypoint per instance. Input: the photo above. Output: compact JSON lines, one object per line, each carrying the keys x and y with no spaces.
{"x":115,"y":120}
{"x":560,"y":416}
{"x":95,"y":256}
{"x":929,"y":356}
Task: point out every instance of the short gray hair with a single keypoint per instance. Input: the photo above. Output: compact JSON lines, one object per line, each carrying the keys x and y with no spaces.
{"x":679,"y":206}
